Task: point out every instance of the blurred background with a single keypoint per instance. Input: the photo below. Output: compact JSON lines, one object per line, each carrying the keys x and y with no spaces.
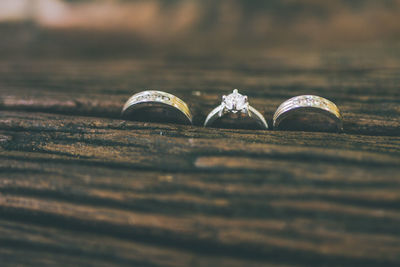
{"x":197,"y":28}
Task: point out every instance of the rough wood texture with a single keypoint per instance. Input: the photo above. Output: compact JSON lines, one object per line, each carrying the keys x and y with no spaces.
{"x":79,"y":186}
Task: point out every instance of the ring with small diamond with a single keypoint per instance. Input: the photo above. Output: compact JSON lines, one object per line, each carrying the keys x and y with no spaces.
{"x":158,"y":106}
{"x":300,"y":108}
{"x":237,"y":105}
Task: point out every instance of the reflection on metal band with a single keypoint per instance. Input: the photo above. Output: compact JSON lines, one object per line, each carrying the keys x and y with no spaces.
{"x":298,"y":104}
{"x":152,"y":98}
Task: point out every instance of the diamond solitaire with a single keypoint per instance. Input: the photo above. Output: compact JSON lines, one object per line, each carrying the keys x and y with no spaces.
{"x":235,"y":102}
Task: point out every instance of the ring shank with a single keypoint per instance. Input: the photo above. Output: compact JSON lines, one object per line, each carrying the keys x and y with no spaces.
{"x":259,"y":117}
{"x":219,"y":112}
{"x":157,"y":106}
{"x":305,"y":104}
{"x":213,"y":115}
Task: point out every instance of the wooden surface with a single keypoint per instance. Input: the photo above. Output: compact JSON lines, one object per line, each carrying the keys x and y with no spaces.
{"x":80,"y":186}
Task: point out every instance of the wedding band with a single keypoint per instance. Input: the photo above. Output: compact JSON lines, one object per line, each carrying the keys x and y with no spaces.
{"x":157,"y":106}
{"x":237,"y":105}
{"x":300,"y":105}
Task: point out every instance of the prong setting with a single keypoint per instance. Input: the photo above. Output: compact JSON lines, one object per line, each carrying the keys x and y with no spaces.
{"x":235,"y":102}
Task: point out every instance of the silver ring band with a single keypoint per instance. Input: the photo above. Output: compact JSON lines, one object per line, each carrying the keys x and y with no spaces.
{"x":169,"y":106}
{"x":233,"y":104}
{"x":305,"y":103}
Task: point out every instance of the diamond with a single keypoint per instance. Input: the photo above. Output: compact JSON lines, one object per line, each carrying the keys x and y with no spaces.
{"x":235,"y":102}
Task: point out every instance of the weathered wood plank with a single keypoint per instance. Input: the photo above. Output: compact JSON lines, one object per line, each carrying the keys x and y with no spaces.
{"x":254,"y":197}
{"x":45,"y":245}
{"x":100,"y":88}
{"x":105,"y":210}
{"x":87,"y":138}
{"x":98,"y":190}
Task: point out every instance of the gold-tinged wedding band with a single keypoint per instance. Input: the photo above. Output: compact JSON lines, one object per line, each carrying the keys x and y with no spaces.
{"x":157,"y":106}
{"x":307,"y":103}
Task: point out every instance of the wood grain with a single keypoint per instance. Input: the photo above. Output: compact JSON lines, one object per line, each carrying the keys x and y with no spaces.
{"x":100,"y":88}
{"x":80,"y":186}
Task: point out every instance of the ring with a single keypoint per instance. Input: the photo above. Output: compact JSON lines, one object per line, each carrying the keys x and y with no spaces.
{"x":298,"y":106}
{"x":238,"y":106}
{"x":157,"y":106}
